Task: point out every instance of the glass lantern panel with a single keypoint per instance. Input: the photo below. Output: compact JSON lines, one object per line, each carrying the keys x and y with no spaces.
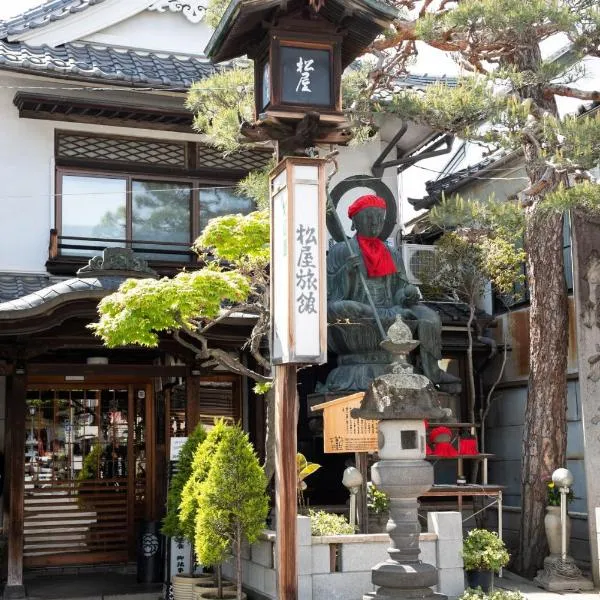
{"x":305,"y":76}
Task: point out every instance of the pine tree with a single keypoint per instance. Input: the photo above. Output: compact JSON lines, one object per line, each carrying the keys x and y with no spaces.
{"x":200,"y":467}
{"x":171,"y":525}
{"x":232,"y":503}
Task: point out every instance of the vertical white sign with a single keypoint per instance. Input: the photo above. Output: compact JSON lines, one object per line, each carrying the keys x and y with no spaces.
{"x":299,"y":325}
{"x":181,"y":557}
{"x":307,"y":285}
{"x":280,"y":304}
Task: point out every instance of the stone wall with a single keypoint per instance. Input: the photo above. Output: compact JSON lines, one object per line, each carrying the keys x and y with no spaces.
{"x":339,"y":567}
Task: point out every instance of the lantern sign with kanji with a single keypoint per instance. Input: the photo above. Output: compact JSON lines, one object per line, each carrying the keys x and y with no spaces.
{"x":293,"y":75}
{"x":299,"y":48}
{"x":298,"y":276}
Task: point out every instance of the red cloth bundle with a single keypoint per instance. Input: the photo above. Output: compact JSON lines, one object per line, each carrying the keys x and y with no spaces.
{"x":467,"y":446}
{"x":442,"y":447}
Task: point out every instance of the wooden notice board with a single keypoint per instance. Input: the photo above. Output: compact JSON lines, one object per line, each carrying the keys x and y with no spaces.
{"x":341,"y":431}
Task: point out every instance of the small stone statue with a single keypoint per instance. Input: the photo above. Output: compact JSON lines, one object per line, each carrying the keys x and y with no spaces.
{"x":353,"y":333}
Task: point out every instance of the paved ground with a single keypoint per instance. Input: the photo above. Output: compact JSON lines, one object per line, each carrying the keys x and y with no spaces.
{"x":117,"y":586}
{"x":532,"y":592}
{"x":90,"y":586}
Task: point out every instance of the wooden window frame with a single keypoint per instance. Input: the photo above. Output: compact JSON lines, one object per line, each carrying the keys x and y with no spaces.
{"x":196,"y":184}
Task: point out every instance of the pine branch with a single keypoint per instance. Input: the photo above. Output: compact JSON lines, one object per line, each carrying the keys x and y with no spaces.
{"x":571,"y":92}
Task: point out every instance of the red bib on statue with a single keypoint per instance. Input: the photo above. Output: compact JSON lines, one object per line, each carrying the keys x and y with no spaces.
{"x":377,"y":256}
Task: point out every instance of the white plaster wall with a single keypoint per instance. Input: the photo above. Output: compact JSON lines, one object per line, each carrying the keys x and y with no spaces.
{"x":162,"y":32}
{"x":27,"y":173}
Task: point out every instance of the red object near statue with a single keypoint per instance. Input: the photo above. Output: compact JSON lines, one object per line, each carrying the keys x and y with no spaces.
{"x":467,"y":446}
{"x":440,"y":438}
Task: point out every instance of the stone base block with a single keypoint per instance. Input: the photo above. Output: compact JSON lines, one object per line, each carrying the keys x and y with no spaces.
{"x":14,"y":591}
{"x":562,"y":576}
{"x":386,"y":594}
{"x":410,"y":576}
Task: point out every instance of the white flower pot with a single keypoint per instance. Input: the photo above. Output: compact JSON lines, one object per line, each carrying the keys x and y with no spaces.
{"x":183,"y":585}
{"x":229,"y":595}
{"x":211,"y":587}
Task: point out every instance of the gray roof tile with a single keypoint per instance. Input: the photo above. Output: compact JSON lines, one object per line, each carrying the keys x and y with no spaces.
{"x":39,"y":16}
{"x":61,"y":288}
{"x":89,"y":62}
{"x":451,"y":182}
{"x":14,"y":285}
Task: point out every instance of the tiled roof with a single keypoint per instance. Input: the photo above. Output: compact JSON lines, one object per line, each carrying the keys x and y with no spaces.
{"x":456,"y":313}
{"x":90,"y":62}
{"x":51,"y":11}
{"x":414,"y":81}
{"x":436,"y":187}
{"x":92,"y":287}
{"x":13,"y":286}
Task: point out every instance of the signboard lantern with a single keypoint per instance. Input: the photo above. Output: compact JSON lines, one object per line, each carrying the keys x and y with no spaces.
{"x":299,"y":69}
{"x":298,"y":272}
{"x":300,"y":49}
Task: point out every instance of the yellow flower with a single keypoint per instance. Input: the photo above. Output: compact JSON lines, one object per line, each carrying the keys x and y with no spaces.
{"x":551,"y":484}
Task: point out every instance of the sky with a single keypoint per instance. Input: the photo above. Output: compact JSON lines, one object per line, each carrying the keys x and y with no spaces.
{"x":8,"y":8}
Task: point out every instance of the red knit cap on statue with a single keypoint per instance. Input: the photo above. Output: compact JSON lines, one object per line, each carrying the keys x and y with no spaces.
{"x":376,"y":255}
{"x":368,"y":201}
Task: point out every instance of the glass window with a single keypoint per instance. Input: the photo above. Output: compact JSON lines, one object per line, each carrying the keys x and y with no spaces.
{"x":154,"y":217}
{"x":161,"y":213}
{"x":93,"y":207}
{"x":216,"y":202}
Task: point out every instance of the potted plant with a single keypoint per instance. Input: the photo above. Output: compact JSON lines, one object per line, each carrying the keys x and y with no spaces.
{"x":484,"y":554}
{"x":171,"y":526}
{"x":188,"y":506}
{"x":232,"y":506}
{"x":378,"y":504}
{"x":552,"y":524}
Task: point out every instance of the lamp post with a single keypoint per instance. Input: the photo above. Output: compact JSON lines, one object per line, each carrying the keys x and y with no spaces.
{"x":299,"y":49}
{"x":560,"y":573}
{"x":563,"y":479}
{"x":352,"y":480}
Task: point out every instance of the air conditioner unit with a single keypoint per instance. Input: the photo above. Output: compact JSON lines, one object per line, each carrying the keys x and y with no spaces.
{"x":418,"y":258}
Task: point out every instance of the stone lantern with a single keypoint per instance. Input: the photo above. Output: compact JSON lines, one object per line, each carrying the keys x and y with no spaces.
{"x":401,"y":401}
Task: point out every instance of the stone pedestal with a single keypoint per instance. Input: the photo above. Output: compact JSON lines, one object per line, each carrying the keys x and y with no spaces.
{"x":560,"y":575}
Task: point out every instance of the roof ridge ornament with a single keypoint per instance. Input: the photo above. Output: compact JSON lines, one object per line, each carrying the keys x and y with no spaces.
{"x":117,"y":261}
{"x":193,"y":10}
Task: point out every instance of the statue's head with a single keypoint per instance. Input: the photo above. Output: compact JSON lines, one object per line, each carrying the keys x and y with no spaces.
{"x":368,"y":215}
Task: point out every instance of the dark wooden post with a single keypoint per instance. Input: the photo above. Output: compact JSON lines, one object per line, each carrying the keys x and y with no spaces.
{"x":15,"y":468}
{"x":286,"y":414}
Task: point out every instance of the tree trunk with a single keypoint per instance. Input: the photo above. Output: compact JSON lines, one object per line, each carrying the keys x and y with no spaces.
{"x":545,"y":427}
{"x":238,"y":563}
{"x":470,"y":368}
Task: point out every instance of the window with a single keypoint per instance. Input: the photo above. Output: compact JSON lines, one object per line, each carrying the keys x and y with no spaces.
{"x":157,"y":217}
{"x":521,"y":291}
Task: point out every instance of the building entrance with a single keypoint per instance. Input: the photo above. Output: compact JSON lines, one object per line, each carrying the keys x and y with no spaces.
{"x":88,"y":472}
